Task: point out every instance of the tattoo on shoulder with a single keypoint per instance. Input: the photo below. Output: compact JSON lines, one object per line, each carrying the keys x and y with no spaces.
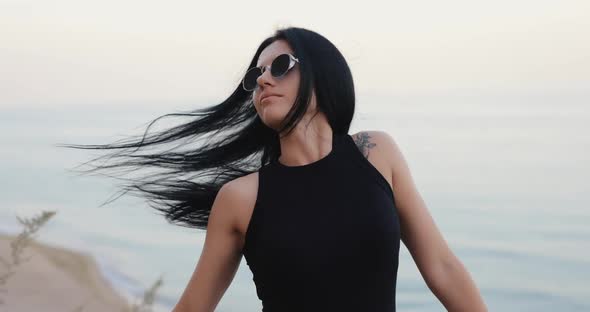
{"x":363,"y":142}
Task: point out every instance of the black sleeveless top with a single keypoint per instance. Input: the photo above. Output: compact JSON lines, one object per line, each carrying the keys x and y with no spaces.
{"x":324,"y":236}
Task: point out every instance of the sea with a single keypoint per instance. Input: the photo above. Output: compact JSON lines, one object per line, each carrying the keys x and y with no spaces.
{"x":505,"y":176}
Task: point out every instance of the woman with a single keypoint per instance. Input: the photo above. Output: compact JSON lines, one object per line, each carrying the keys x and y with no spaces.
{"x":320,"y":218}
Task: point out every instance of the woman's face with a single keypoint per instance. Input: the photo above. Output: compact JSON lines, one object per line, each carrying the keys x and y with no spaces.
{"x":272,"y":110}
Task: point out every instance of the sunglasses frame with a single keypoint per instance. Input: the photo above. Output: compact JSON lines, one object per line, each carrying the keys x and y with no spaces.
{"x":292,"y":61}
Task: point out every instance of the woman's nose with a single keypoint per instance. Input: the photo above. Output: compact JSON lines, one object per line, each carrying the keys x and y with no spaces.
{"x":265,"y":78}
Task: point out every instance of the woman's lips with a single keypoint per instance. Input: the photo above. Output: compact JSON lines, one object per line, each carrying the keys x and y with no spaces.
{"x":268,"y":97}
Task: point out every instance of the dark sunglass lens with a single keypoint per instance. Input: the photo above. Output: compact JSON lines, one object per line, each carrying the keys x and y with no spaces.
{"x":250,"y":78}
{"x":280,"y":65}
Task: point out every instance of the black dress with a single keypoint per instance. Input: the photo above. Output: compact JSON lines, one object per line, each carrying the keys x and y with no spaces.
{"x":324,"y":236}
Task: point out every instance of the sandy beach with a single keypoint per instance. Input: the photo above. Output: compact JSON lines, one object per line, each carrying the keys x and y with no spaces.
{"x":56,"y":279}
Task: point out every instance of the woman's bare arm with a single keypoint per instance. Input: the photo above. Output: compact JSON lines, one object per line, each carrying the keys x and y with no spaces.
{"x":220,"y":257}
{"x":442,"y":271}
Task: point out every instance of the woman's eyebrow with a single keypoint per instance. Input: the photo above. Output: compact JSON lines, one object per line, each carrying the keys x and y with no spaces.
{"x":259,"y":65}
{"x":274,"y":56}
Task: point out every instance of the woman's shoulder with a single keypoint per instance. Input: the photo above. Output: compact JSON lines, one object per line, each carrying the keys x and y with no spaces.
{"x":243,"y":192}
{"x":374,"y":143}
{"x":376,"y":147}
{"x":244,"y":188}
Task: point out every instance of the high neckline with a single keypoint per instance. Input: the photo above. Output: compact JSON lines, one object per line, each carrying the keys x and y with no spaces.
{"x":316,"y":163}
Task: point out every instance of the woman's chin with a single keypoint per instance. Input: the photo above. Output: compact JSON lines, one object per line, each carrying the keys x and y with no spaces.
{"x":273,"y":119}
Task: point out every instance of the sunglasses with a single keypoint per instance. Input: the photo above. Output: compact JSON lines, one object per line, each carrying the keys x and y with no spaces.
{"x":278,"y":68}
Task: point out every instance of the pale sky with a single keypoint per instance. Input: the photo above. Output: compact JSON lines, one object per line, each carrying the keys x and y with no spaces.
{"x":62,"y":52}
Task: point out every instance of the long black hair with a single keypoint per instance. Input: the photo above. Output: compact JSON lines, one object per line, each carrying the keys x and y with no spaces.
{"x":235,"y":142}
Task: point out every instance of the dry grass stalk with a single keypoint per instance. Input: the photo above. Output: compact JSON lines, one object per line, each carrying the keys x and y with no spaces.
{"x":31,"y":227}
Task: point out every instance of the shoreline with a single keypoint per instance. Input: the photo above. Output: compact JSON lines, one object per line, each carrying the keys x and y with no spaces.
{"x":57,"y":279}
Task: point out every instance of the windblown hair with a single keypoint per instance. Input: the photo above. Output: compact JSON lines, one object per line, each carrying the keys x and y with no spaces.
{"x":236,"y":141}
